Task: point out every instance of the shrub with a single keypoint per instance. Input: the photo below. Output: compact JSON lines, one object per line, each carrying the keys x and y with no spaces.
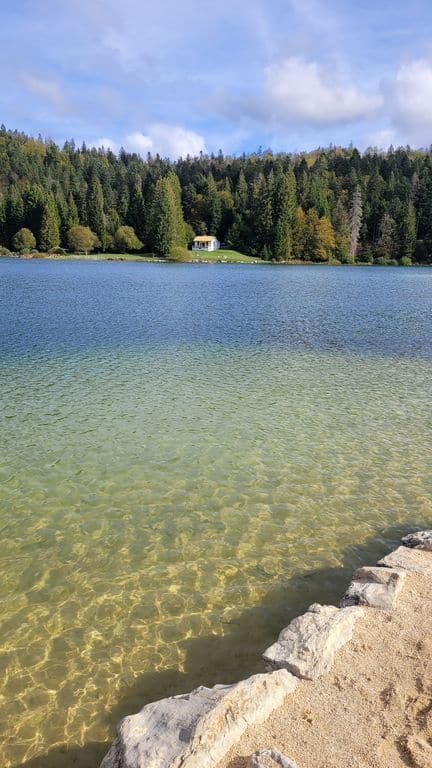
{"x":125,"y":239}
{"x":180,"y":254}
{"x":4,"y":251}
{"x":24,"y":240}
{"x":366,"y":255}
{"x":82,"y":239}
{"x":405,"y":261}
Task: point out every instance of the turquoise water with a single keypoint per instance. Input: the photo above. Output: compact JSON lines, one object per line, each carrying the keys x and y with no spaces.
{"x":188,"y":457}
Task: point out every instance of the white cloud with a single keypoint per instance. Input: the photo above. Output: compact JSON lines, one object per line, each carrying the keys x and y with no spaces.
{"x":106,"y":143}
{"x":137,"y":142}
{"x":299,"y":90}
{"x":410,"y":101}
{"x":168,"y":140}
{"x":48,"y":89}
{"x":380,"y":139}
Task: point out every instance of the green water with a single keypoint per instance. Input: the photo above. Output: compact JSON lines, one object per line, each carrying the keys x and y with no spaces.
{"x":165,"y":509}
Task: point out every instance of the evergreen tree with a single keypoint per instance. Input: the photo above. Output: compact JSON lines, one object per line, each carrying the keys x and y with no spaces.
{"x":214,"y":207}
{"x":241,"y":193}
{"x":14,"y":208}
{"x":136,"y":215}
{"x":49,"y":235}
{"x":386,"y":246}
{"x":284,"y":205}
{"x":95,"y":208}
{"x":72,"y":216}
{"x":167,"y":228}
{"x":408,"y":232}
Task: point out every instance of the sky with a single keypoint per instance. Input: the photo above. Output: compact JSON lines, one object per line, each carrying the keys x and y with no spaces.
{"x":183,"y":76}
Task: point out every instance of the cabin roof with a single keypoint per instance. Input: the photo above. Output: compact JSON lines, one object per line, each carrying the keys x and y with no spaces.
{"x":204,"y":238}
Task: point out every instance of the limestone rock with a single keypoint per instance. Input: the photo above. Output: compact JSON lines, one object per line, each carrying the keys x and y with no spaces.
{"x":407,"y":559}
{"x":418,"y":540}
{"x":308,"y":645}
{"x":270,"y":758}
{"x":196,"y":730}
{"x":375,"y":587}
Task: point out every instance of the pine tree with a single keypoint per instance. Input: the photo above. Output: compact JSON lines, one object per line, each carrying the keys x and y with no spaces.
{"x":173,"y":183}
{"x":386,"y":247}
{"x":408,"y":232}
{"x":95,"y":208}
{"x":284,"y":204}
{"x":167,"y":224}
{"x":136,"y":215}
{"x":214,"y":207}
{"x":49,"y":235}
{"x":241,"y":193}
{"x":14,"y":208}
{"x":72,"y":216}
{"x":34,"y":200}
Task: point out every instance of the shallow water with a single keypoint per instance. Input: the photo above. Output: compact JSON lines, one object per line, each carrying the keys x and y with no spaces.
{"x":188,"y":454}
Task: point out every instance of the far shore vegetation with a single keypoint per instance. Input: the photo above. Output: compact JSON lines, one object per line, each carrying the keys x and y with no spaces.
{"x":331,"y":206}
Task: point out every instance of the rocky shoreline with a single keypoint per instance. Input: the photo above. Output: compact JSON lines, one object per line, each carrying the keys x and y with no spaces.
{"x":198,"y":730}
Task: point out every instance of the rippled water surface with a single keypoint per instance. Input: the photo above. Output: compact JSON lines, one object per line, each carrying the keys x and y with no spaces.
{"x":188,"y":454}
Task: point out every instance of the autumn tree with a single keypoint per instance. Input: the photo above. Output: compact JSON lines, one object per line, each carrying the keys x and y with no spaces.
{"x":24,"y":240}
{"x":125,"y":239}
{"x":82,"y":239}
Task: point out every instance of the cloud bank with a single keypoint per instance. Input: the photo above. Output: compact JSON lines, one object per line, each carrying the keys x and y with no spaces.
{"x":165,"y":78}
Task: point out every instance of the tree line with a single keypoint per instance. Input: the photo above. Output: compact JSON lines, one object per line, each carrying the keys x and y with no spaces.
{"x":332,"y":204}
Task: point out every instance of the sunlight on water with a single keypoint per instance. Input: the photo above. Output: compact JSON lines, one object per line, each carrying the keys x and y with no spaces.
{"x":166,"y":509}
{"x":149,"y":498}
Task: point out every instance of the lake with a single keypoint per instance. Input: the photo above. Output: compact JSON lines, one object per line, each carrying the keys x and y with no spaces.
{"x":189,"y":456}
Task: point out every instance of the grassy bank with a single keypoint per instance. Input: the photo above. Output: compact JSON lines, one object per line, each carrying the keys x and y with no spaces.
{"x":225,"y":256}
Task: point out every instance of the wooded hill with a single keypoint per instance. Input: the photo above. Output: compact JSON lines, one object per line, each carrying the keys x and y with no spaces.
{"x":331,"y":204}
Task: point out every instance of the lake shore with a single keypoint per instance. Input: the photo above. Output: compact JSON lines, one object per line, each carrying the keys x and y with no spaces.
{"x":345,"y":686}
{"x":217,"y":257}
{"x":374,"y":708}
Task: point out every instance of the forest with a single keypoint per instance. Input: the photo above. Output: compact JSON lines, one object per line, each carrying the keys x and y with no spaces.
{"x":329,"y":205}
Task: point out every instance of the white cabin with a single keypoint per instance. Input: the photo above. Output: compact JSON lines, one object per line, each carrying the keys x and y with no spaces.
{"x":205,"y":243}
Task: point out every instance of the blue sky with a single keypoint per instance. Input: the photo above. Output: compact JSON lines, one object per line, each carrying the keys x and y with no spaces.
{"x":179,"y":77}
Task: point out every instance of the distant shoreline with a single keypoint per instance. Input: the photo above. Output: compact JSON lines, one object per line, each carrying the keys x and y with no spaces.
{"x":146,"y":259}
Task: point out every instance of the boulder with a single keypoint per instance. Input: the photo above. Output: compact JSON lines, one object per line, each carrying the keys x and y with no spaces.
{"x":197,"y":729}
{"x":407,"y":559}
{"x":308,"y":645}
{"x":270,"y":758}
{"x":375,"y":587}
{"x":418,"y":540}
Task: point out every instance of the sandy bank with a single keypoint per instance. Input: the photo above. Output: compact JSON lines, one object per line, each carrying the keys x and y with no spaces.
{"x":374,"y":708}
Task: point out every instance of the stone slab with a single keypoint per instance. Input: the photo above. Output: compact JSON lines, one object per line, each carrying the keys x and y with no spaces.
{"x":407,"y":559}
{"x":375,"y":587}
{"x":308,"y":645}
{"x":197,"y":729}
{"x":418,"y":540}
